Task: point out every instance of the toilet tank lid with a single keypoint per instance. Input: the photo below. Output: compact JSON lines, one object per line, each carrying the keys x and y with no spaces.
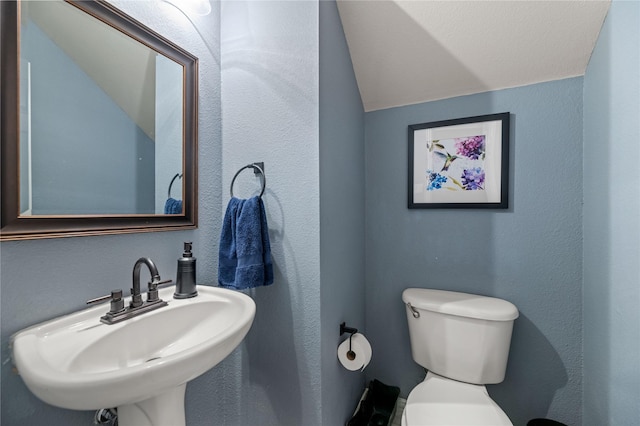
{"x":460,"y":304}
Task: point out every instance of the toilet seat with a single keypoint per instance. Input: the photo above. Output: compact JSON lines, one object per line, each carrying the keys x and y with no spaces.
{"x":439,"y":401}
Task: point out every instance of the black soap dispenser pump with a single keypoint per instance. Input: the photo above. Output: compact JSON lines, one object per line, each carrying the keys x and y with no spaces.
{"x":186,"y":275}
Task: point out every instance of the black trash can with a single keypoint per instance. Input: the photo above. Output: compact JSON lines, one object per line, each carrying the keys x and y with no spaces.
{"x":376,"y":406}
{"x":544,"y":422}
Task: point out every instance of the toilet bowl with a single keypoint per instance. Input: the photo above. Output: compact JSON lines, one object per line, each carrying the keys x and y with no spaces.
{"x":439,"y":401}
{"x":463,"y":341}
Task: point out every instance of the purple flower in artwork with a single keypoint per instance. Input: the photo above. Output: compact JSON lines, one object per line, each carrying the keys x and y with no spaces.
{"x":435,"y":180}
{"x":473,"y":179}
{"x":472,"y":146}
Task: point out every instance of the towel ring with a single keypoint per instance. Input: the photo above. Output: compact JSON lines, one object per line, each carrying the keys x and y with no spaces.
{"x":178,"y":175}
{"x":257,"y":168}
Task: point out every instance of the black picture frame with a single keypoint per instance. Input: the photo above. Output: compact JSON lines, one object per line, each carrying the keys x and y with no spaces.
{"x":460,"y":163}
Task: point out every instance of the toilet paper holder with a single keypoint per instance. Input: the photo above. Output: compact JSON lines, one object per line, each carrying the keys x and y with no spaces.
{"x":351,"y":355}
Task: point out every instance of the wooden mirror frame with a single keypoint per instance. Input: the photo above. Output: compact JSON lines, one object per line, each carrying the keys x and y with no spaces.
{"x":16,"y":227}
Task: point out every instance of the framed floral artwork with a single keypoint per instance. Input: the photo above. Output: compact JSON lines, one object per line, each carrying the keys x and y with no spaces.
{"x":461,"y":163}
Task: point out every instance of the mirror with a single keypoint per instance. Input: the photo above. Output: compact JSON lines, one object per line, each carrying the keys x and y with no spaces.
{"x":99,"y":123}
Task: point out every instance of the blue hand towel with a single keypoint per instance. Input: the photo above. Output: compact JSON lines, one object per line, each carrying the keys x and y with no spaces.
{"x":173,"y":206}
{"x":245,"y":252}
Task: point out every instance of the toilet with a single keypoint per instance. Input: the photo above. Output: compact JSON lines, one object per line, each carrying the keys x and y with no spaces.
{"x":463,"y":341}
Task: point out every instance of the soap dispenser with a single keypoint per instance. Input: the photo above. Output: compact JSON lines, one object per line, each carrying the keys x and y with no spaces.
{"x":186,"y":275}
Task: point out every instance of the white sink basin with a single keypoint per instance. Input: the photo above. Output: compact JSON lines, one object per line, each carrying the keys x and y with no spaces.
{"x":77,"y":362}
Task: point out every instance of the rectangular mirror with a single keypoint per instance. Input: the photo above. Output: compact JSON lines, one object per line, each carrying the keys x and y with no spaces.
{"x":99,"y":116}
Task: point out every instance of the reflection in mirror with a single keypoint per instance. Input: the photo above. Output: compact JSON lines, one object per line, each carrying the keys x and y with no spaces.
{"x":102,"y":118}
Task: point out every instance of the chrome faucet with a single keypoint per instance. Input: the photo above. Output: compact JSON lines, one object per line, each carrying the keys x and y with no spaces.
{"x":137,"y":306}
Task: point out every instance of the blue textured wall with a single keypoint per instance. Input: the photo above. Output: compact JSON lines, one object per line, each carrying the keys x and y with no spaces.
{"x":342,"y":194}
{"x":611,"y":227}
{"x":530,"y":254}
{"x":290,"y":100}
{"x":270,"y":114}
{"x":46,"y":278}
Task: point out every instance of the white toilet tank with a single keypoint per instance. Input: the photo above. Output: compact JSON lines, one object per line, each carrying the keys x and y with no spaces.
{"x":461,"y":336}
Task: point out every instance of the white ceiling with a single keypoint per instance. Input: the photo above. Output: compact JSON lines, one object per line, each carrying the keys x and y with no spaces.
{"x":411,"y":51}
{"x":408,"y":52}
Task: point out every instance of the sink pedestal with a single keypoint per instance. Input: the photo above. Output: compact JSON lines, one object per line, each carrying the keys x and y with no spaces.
{"x":166,"y":409}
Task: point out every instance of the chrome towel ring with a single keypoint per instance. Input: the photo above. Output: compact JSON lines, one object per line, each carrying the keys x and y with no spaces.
{"x":178,"y":175}
{"x":258,"y":168}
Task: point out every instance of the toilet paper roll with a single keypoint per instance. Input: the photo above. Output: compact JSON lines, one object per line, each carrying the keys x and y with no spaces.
{"x":359,"y":356}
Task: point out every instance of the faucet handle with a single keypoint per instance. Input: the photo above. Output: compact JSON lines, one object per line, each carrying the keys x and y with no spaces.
{"x":152,"y":292}
{"x":105,"y":298}
{"x":155,"y":284}
{"x":117,"y":304}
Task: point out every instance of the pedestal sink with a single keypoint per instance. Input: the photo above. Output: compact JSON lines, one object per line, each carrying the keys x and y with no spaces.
{"x":141,"y":365}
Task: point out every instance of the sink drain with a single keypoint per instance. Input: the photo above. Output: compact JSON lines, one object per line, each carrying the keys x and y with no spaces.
{"x":153,"y":359}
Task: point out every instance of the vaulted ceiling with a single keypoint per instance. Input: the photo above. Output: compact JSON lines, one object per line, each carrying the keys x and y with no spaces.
{"x":408,"y":52}
{"x":411,"y":51}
